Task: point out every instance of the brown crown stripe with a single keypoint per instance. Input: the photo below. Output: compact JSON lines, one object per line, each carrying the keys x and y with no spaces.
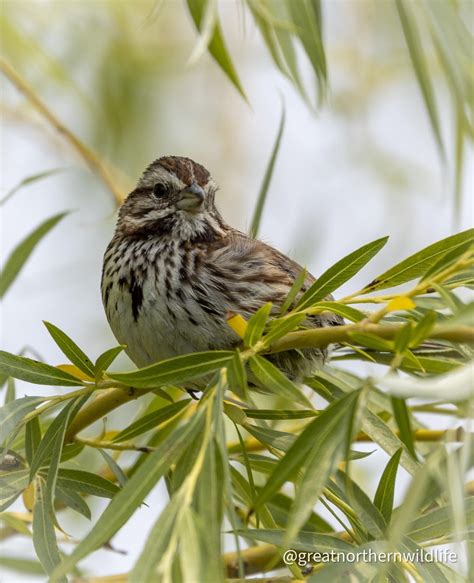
{"x":185,"y":169}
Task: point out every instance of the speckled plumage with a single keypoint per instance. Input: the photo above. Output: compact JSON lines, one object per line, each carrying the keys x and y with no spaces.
{"x":174,"y":270}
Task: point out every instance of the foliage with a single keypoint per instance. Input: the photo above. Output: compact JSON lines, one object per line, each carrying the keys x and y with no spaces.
{"x":209,"y":478}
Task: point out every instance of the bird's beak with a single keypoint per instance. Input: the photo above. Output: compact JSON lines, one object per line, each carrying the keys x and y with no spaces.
{"x":191,"y":198}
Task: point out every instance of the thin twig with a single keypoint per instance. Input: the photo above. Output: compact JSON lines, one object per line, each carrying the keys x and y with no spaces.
{"x":91,"y":159}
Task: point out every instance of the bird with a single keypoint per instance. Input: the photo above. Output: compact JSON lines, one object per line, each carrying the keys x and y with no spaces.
{"x":174,"y":270}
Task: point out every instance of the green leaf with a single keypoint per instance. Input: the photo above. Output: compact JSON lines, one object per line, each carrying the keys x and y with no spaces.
{"x":10,"y":393}
{"x":23,"y":250}
{"x":175,"y":370}
{"x":16,"y":523}
{"x":71,"y":350}
{"x":272,"y":378}
{"x":438,"y":523}
{"x":280,"y":413}
{"x":402,"y":417}
{"x":33,"y":371}
{"x":50,"y":446}
{"x":32,"y":438}
{"x":216,"y":47}
{"x":271,"y":437}
{"x":305,"y":541}
{"x":256,"y":325}
{"x":115,"y":468}
{"x":237,"y":377}
{"x":106,"y":359}
{"x":262,"y":195}
{"x":319,"y":442}
{"x":27,"y":181}
{"x":343,"y":310}
{"x":151,"y":421}
{"x":420,"y":67}
{"x":127,"y":500}
{"x":322,"y":447}
{"x":13,"y":412}
{"x":13,"y":479}
{"x":306,"y":15}
{"x":418,"y":263}
{"x":372,"y":341}
{"x":279,"y":328}
{"x":294,"y":291}
{"x":26,"y":566}
{"x":340,"y":272}
{"x":74,"y":501}
{"x":86,"y":483}
{"x":383,"y":499}
{"x":44,"y":538}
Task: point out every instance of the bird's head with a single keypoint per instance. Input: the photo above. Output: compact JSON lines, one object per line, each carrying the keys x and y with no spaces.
{"x":174,"y":196}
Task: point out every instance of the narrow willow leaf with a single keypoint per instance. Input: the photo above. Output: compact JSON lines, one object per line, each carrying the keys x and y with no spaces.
{"x":74,"y":501}
{"x":50,"y":446}
{"x":280,"y":508}
{"x":280,"y":413}
{"x":10,"y":393}
{"x":32,"y":371}
{"x":32,"y":438}
{"x":71,"y":350}
{"x":294,"y":291}
{"x":383,"y":499}
{"x":381,"y":433}
{"x":306,"y":15}
{"x":447,"y":260}
{"x":23,"y":250}
{"x":271,"y":437}
{"x":13,"y":412}
{"x":127,"y":500}
{"x":27,"y":181}
{"x":340,"y":272}
{"x":262,"y":195}
{"x":256,"y":325}
{"x":237,"y":377}
{"x":320,"y":458}
{"x":420,"y":67}
{"x":348,"y":312}
{"x":175,"y":370}
{"x":13,"y":480}
{"x":86,"y":483}
{"x":115,"y":468}
{"x":26,"y":566}
{"x":15,"y":522}
{"x":368,"y":517}
{"x":402,"y":417}
{"x":372,"y":341}
{"x":305,"y":541}
{"x":44,"y":537}
{"x":151,"y":421}
{"x":216,"y":47}
{"x":438,"y":523}
{"x":319,"y":438}
{"x":106,"y":359}
{"x":272,"y":378}
{"x":423,"y":328}
{"x":418,"y":263}
{"x":279,"y":328}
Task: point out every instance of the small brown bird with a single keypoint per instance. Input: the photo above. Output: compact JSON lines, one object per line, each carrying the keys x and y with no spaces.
{"x":174,"y":270}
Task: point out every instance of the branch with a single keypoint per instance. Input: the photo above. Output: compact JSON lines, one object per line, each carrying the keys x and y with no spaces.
{"x":426,"y":435}
{"x":320,"y":337}
{"x":90,"y":157}
{"x":108,"y":400}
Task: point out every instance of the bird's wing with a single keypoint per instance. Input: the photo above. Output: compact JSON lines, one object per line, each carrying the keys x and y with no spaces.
{"x":252,"y":273}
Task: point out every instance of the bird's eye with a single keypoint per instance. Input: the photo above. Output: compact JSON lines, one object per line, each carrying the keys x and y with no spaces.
{"x":159,"y":190}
